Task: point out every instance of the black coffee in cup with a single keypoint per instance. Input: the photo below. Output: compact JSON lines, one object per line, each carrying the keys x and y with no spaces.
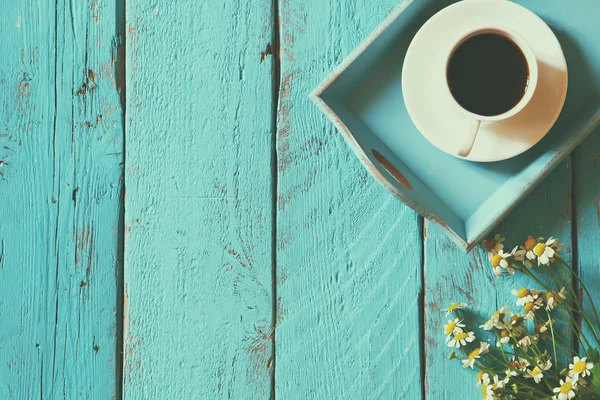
{"x":488,"y":74}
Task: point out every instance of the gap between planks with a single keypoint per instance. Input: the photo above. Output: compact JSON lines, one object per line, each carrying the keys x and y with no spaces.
{"x":574,"y":247}
{"x":276,"y":83}
{"x":423,"y":355}
{"x":121,"y":311}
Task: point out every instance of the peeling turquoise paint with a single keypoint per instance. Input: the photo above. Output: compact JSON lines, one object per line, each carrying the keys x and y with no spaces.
{"x":61,"y":152}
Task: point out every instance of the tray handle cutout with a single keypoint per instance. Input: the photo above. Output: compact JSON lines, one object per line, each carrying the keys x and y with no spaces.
{"x":391,"y":169}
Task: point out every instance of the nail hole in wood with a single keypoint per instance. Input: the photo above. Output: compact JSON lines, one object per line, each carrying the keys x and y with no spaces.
{"x":392,"y":170}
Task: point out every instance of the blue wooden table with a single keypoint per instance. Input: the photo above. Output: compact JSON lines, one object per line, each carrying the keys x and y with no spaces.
{"x":178,"y":221}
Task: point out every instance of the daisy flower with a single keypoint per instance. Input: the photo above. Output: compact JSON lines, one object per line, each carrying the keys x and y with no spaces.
{"x":499,"y":383}
{"x":566,"y":389}
{"x":526,"y":253}
{"x":580,"y":368}
{"x":475,"y":354}
{"x":509,"y":373}
{"x":522,"y":364}
{"x":482,"y":378}
{"x":497,"y":320}
{"x":530,"y":244}
{"x":531,"y":307}
{"x":548,"y":363}
{"x":525,"y":341}
{"x":517,"y":321}
{"x":461,"y":339}
{"x":557,"y":247}
{"x":504,"y":336}
{"x":520,"y":256}
{"x":524,"y":296}
{"x":453,"y":327}
{"x":455,"y":306}
{"x":487,"y":392}
{"x":542,"y":328}
{"x":494,"y":244}
{"x":498,"y":261}
{"x":555,"y":298}
{"x":519,"y":364}
{"x":543,"y":251}
{"x":537,"y":373}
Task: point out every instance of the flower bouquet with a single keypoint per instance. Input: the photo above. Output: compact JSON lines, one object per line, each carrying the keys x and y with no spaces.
{"x":530,"y":355}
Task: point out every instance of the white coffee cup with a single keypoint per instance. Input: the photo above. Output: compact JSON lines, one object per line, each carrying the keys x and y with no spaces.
{"x":473,"y":121}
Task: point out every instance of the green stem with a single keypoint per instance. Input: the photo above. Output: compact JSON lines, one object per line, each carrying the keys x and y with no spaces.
{"x":553,"y":341}
{"x":568,"y":318}
{"x":563,"y":263}
{"x":583,"y":314}
{"x":580,"y":310}
{"x":573,"y":325}
{"x":501,"y":346}
{"x":517,"y":347}
{"x":567,"y":353}
{"x":521,"y":395}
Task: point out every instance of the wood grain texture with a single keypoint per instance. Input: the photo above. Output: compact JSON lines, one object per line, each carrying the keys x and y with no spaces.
{"x":199,"y":200}
{"x":586,"y":165}
{"x":348,"y":253}
{"x":61,"y":154}
{"x":452,"y":276}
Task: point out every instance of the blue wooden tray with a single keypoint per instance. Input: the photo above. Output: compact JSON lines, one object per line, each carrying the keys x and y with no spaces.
{"x":363,"y":98}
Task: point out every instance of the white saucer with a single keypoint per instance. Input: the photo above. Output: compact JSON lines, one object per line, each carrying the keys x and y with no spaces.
{"x":423,"y":83}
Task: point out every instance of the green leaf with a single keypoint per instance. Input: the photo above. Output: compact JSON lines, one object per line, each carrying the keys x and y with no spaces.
{"x":594,"y":356}
{"x":595,"y":388}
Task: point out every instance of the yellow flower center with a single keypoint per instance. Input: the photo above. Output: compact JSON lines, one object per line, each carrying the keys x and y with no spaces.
{"x":539,"y":248}
{"x":450,"y":327}
{"x":580,"y":367}
{"x":484,"y":392}
{"x":474,"y":354}
{"x":550,"y":295}
{"x":496,"y":260}
{"x":480,"y":375}
{"x":566,"y":387}
{"x":528,"y":307}
{"x":505,"y":333}
{"x":536,"y":371}
{"x":523,"y":292}
{"x":461,"y":336}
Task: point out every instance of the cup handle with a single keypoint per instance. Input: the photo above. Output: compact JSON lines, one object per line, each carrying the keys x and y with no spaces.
{"x":469,"y":140}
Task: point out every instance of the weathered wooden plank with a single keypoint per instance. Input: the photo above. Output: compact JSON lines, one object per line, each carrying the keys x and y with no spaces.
{"x":451,"y":276}
{"x":348,"y":253}
{"x":586,"y":166}
{"x":199,"y":200}
{"x":61,"y":149}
